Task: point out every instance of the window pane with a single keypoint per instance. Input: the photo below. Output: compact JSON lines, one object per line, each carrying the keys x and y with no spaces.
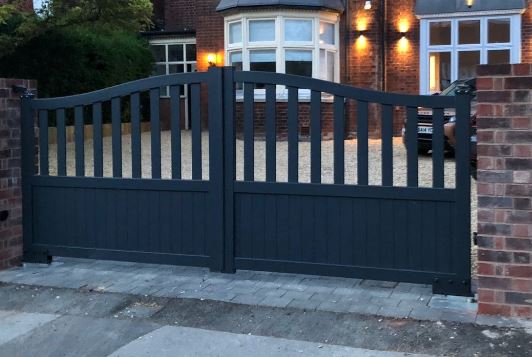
{"x":440,"y":33}
{"x":299,"y":63}
{"x":175,"y":53}
{"x":498,"y":56}
{"x":439,"y":71}
{"x":499,"y":31}
{"x":326,"y":33}
{"x":261,"y":30}
{"x":467,"y":64}
{"x":330,"y":66}
{"x":176,"y":68}
{"x":298,"y":30}
{"x":235,"y":60}
{"x":327,"y":65}
{"x":192,"y":67}
{"x":159,"y":52}
{"x":160,"y":69}
{"x":191,"y":52}
{"x":469,"y":32}
{"x":263,"y":60}
{"x":235,"y":32}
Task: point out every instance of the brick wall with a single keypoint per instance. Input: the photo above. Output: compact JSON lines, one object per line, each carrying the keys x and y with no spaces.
{"x":505,"y":189}
{"x":10,"y":188}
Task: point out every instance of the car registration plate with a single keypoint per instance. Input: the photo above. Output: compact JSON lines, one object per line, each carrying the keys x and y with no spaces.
{"x":424,"y":129}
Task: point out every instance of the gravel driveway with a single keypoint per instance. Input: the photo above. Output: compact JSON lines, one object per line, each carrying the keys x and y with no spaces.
{"x":425,"y":163}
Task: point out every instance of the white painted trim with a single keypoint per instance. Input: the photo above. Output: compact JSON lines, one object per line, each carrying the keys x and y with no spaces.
{"x":473,"y":14}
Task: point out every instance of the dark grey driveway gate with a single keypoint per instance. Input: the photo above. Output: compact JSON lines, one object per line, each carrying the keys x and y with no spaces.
{"x":410,"y":234}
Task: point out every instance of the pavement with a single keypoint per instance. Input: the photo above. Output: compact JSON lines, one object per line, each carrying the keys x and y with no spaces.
{"x":91,"y":308}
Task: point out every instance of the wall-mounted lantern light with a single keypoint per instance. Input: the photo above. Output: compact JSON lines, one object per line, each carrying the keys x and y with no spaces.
{"x":367,"y":5}
{"x":470,"y":3}
{"x":211,"y":58}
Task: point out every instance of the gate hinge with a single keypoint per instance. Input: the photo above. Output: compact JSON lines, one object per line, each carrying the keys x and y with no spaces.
{"x":445,"y":286}
{"x":38,"y":256}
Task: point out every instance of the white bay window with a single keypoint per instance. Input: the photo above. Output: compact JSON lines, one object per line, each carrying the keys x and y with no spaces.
{"x":302,"y":43}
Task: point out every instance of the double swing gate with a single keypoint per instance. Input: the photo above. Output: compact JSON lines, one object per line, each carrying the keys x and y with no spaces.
{"x":112,"y":198}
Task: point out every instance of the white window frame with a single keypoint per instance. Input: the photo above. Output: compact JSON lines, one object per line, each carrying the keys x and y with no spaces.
{"x":185,"y":62}
{"x":454,"y":48}
{"x":280,"y":45}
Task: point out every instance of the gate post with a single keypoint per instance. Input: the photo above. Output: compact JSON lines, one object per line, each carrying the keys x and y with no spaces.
{"x":221,"y":151}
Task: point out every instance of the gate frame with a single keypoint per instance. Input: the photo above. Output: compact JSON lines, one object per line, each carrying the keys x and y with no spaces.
{"x":222,"y":173}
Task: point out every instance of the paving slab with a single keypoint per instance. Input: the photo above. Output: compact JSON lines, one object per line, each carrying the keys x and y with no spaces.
{"x":14,"y":324}
{"x":188,"y":342}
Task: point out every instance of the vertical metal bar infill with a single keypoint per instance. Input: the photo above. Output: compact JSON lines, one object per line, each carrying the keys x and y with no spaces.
{"x":293,"y":135}
{"x":315,"y":137}
{"x":43,"y":143}
{"x":339,"y":137}
{"x":155,"y":120}
{"x":116,"y":137}
{"x":79,"y":140}
{"x":271,"y":134}
{"x":229,"y":167}
{"x":175,"y":127}
{"x":195,"y":90}
{"x":362,"y":143}
{"x":136,"y":140}
{"x":249,"y":132}
{"x":61,"y":142}
{"x":438,"y":171}
{"x":411,"y":147}
{"x":98,"y":140}
{"x":387,"y":145}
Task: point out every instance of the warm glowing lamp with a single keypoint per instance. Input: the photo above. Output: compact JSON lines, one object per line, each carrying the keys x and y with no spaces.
{"x":211,"y":58}
{"x":470,"y":3}
{"x":367,"y":5}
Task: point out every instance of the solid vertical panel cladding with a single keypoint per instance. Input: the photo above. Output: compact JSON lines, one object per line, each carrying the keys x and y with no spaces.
{"x":411,"y":146}
{"x":97,"y":139}
{"x":362,"y":143}
{"x":136,"y":140}
{"x":438,"y":161}
{"x":116,"y":137}
{"x":271,"y":134}
{"x":315,"y":137}
{"x":175,"y":127}
{"x":43,"y":142}
{"x":61,"y":143}
{"x":79,"y":133}
{"x":387,"y":145}
{"x":293,"y":134}
{"x":155,"y":121}
{"x":195,"y":90}
{"x":339,"y":137}
{"x":126,"y":220}
{"x":249,"y":132}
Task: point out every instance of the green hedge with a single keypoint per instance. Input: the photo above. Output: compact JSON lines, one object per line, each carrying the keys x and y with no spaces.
{"x":77,"y":60}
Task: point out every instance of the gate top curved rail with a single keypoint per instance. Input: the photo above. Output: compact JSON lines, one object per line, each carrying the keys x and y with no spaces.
{"x":119,"y":90}
{"x":346,"y":91}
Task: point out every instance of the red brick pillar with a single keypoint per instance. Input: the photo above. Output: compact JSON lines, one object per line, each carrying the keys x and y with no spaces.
{"x":10,"y":188}
{"x":505,"y":190}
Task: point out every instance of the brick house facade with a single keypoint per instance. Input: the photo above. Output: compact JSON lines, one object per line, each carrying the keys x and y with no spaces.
{"x":392,"y":55}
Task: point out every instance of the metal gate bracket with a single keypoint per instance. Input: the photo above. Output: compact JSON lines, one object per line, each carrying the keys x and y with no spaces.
{"x":38,"y":256}
{"x":443,"y":286}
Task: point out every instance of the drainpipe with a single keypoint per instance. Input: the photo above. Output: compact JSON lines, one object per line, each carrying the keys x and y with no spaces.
{"x":347,"y":16}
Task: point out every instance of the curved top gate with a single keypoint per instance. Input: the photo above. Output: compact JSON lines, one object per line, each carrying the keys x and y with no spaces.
{"x":153,"y":192}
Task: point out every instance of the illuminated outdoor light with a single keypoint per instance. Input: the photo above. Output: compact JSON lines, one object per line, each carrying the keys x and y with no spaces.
{"x":470,"y":3}
{"x":211,"y":58}
{"x":367,"y":5}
